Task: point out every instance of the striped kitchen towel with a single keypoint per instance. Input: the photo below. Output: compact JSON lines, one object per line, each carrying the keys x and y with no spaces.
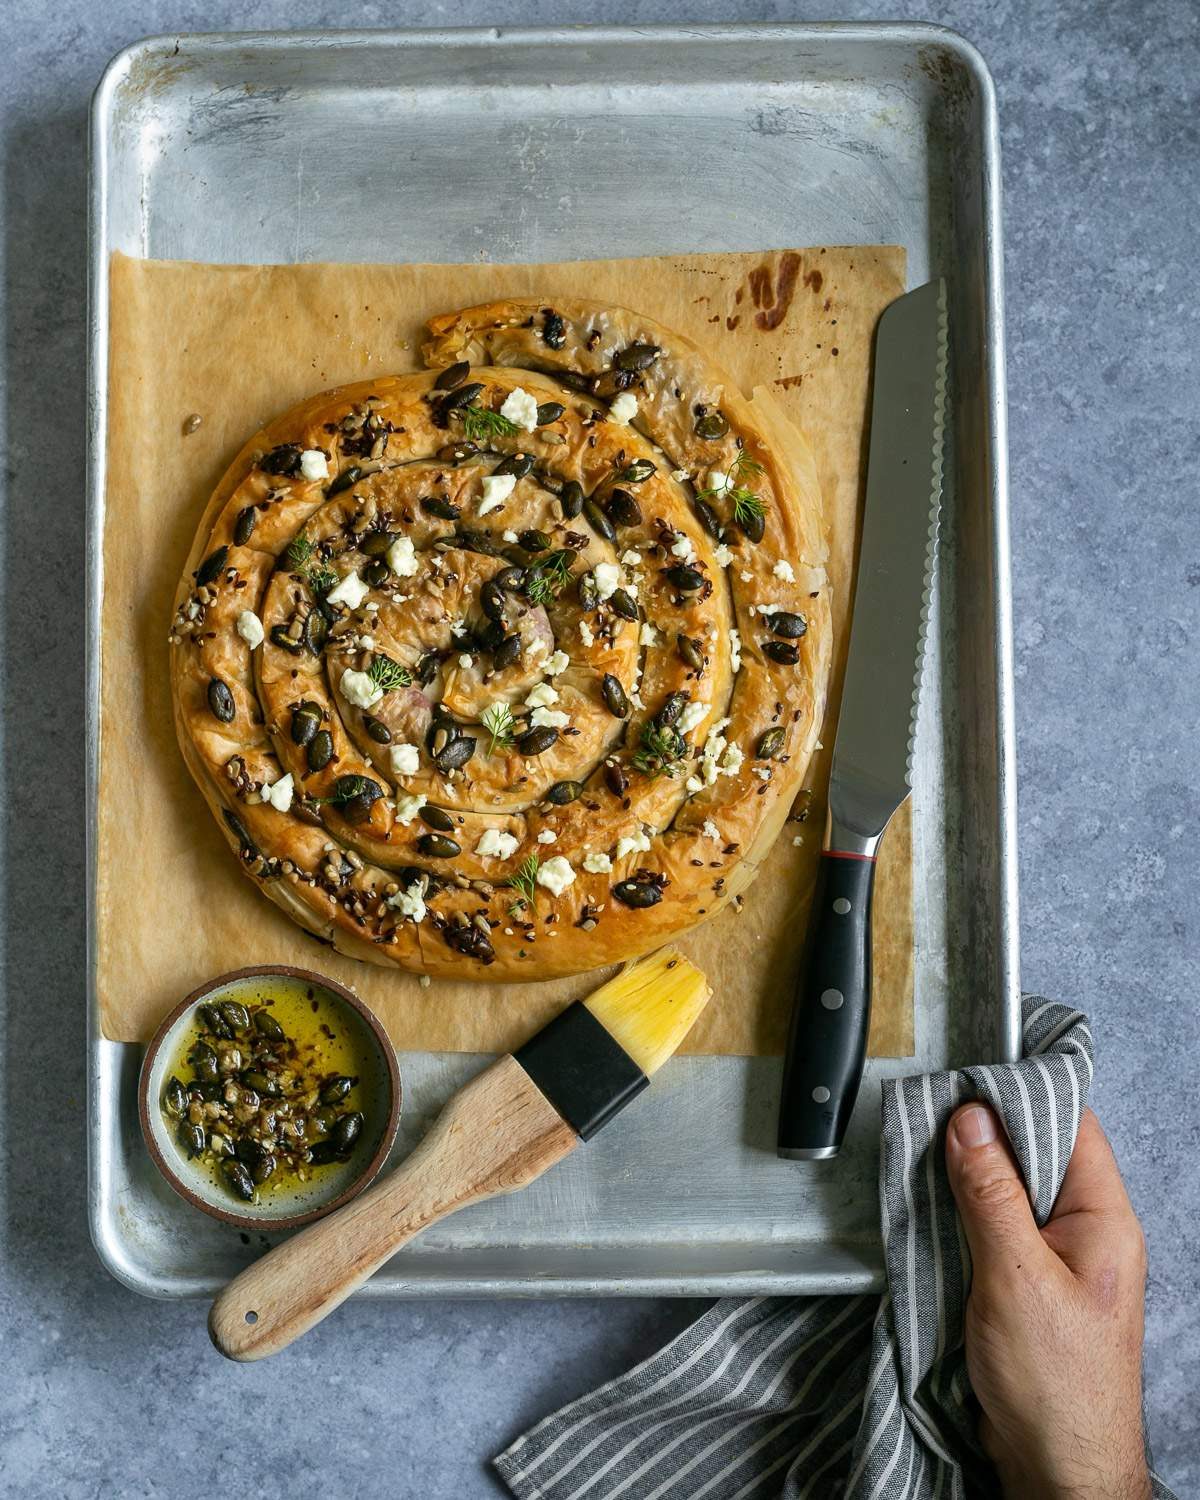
{"x":859,"y":1397}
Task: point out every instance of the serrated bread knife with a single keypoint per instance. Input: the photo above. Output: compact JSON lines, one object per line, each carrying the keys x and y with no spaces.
{"x":872,"y":756}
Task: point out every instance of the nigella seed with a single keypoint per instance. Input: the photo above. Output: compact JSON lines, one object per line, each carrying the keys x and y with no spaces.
{"x":452,"y":376}
{"x":211,"y":566}
{"x":614,"y":696}
{"x":220,"y":701}
{"x":438,"y":846}
{"x":320,"y":750}
{"x":244,"y":525}
{"x":686,"y":580}
{"x":518,"y":464}
{"x":770,"y":743}
{"x":436,"y":818}
{"x":570,"y":497}
{"x":623,"y":509}
{"x":563,"y":792}
{"x":439,"y":506}
{"x":538,"y":740}
{"x":549,"y":411}
{"x":598,"y":521}
{"x":637,"y":357}
{"x":790,"y":626}
{"x":377,"y":730}
{"x":711,"y":426}
{"x":622,"y":604}
{"x":783,"y":652}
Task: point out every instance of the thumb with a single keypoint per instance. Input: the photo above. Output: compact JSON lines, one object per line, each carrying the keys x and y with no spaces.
{"x":990,"y":1194}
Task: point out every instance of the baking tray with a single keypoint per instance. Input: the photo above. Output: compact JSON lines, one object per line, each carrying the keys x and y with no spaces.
{"x":570,"y":144}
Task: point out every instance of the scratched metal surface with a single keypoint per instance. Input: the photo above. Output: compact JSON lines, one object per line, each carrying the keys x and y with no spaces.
{"x":267,"y":148}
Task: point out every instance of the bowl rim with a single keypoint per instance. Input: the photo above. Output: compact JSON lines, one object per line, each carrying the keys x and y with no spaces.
{"x":265,"y":1223}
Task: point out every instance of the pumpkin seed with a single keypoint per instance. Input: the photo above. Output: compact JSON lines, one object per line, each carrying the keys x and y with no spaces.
{"x":203,"y":1062}
{"x":192,"y":1139}
{"x":320,"y":750}
{"x":438,"y":846}
{"x":377,"y":730}
{"x":356,"y":809}
{"x":535,"y":541}
{"x":640,"y":890}
{"x":316,"y":631}
{"x":611,"y":383}
{"x":238,"y":1178}
{"x":235,"y":1014}
{"x":245,"y":524}
{"x":336,"y":1089}
{"x":554,"y":330}
{"x":752,"y":526}
{"x":426,"y":668}
{"x":347,"y":1131}
{"x":220,"y":701}
{"x":215,"y":1022}
{"x":266,"y":1024}
{"x":377,"y":543}
{"x":285,"y":642}
{"x":322,"y":1154}
{"x":436,"y":817}
{"x":598,"y":521}
{"x":549,"y":411}
{"x":491,"y":600}
{"x":570,"y":497}
{"x":175,"y":1099}
{"x":615,"y":778}
{"x":622,"y":604}
{"x":589,"y":593}
{"x":673,"y":705}
{"x":376,"y":572}
{"x":238,"y":829}
{"x":783,"y":652}
{"x":263,"y":1168}
{"x":623,"y":509}
{"x":284,"y":459}
{"x":538,"y":740}
{"x":471,"y":540}
{"x":614,"y":696}
{"x":456,"y":754}
{"x":689,"y":651}
{"x":512,"y":580}
{"x":686,"y":580}
{"x":452,"y":376}
{"x":638,"y":471}
{"x":506,"y":653}
{"x":637,"y":357}
{"x":710,"y":520}
{"x":344,"y":480}
{"x":461,"y":396}
{"x":211,"y":566}
{"x":770,"y":743}
{"x":711,"y":426}
{"x":306,"y":720}
{"x":518,"y":464}
{"x":439,"y":506}
{"x":790,"y":626}
{"x":347,"y":787}
{"x":563,"y":792}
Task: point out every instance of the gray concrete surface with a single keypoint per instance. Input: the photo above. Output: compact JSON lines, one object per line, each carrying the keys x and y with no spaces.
{"x":107,"y":1395}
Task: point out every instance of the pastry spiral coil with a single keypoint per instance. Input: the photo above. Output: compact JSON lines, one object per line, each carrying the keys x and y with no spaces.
{"x":512,"y":667}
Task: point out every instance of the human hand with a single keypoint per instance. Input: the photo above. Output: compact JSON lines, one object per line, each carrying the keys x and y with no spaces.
{"x":1054,"y":1321}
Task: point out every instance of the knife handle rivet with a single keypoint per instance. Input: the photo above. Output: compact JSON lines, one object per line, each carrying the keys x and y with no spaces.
{"x":832,"y":999}
{"x":841,"y":906}
{"x":820,"y":1094}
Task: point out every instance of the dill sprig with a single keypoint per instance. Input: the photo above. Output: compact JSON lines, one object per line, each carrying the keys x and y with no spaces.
{"x":388,"y":674}
{"x":299,"y":551}
{"x":660,"y":751}
{"x":478,"y":422}
{"x":498,"y":721}
{"x":747,"y":505}
{"x":524,"y":882}
{"x":546,"y":580}
{"x":321,"y":580}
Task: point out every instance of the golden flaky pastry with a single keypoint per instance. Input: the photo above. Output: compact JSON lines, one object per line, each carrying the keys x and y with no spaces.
{"x":511,"y":669}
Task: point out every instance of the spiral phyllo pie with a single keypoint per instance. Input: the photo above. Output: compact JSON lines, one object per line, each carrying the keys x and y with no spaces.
{"x":510,"y":668}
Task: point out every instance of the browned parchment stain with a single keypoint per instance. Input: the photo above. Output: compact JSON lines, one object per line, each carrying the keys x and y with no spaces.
{"x":732,"y":323}
{"x":814,"y":280}
{"x":788,"y":380}
{"x":772,"y":293}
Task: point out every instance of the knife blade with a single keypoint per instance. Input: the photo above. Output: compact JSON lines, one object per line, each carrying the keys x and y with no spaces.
{"x":872,"y":757}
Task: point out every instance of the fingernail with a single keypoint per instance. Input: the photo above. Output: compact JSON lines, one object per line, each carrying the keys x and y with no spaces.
{"x":975,"y":1127}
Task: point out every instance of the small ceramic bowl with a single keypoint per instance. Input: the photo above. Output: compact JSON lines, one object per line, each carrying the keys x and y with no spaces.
{"x":288,"y":1205}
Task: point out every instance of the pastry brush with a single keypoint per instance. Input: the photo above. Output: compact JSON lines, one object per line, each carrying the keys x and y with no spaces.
{"x":503,"y":1129}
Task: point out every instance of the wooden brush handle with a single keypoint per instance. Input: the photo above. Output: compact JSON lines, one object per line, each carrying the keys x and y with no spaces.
{"x":495,"y":1135}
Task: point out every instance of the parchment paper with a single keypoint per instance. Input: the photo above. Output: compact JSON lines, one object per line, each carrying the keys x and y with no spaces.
{"x":239,"y":344}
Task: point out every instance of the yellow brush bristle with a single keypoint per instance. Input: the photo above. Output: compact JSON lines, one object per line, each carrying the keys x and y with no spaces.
{"x":650,"y":1006}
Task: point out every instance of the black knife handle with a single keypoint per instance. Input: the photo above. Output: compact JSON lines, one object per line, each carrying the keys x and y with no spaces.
{"x":827,"y":1042}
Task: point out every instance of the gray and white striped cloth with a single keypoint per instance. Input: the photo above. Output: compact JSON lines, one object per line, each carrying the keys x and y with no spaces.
{"x":807,"y":1398}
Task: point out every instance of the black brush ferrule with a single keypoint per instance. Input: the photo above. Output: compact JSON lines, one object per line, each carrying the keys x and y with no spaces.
{"x":586,"y":1075}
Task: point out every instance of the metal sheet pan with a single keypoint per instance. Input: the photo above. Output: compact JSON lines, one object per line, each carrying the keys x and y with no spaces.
{"x":608,"y":143}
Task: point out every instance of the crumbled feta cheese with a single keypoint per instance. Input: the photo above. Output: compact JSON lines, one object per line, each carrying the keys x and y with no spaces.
{"x":366,"y":642}
{"x":723,"y":555}
{"x":710,"y":829}
{"x":632,"y":843}
{"x":797,"y":840}
{"x":585,"y":633}
{"x":537,"y":647}
{"x":407,"y":808}
{"x":767,"y":609}
{"x":405,"y":759}
{"x":494,"y":843}
{"x":409,"y":903}
{"x":608,"y":579}
{"x":402,"y":557}
{"x":358,"y":688}
{"x":763,"y":773}
{"x":521,"y":409}
{"x":692,"y":715}
{"x":509,"y":536}
{"x":623,"y":408}
{"x":465,"y":660}
{"x":250,"y":628}
{"x":597,"y":864}
{"x":735,"y":650}
{"x":559,"y":662}
{"x":351,"y":592}
{"x":549,"y":718}
{"x":783,"y":569}
{"x":693,"y":784}
{"x":541,"y":696}
{"x":496,"y":490}
{"x":647,"y":635}
{"x":313,"y":464}
{"x":683,"y":548}
{"x":717,"y":480}
{"x":714,"y":748}
{"x":547,"y":836}
{"x":679,"y":475}
{"x":280,"y":795}
{"x":731,"y":761}
{"x":631,"y":558}
{"x":556,"y":875}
